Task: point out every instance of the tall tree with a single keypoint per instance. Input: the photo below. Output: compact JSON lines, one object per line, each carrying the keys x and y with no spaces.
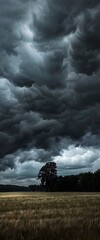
{"x":48,"y":175}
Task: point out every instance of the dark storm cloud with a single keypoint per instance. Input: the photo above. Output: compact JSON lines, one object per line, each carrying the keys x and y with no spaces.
{"x":11,"y":12}
{"x":86,"y":43}
{"x":49,"y":82}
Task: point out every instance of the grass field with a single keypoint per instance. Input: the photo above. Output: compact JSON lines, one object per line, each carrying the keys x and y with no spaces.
{"x":49,"y":216}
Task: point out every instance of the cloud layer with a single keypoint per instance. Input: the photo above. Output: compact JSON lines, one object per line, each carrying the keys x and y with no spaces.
{"x":49,"y":86}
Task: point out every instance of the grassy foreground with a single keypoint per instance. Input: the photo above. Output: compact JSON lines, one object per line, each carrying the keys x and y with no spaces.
{"x":49,"y":216}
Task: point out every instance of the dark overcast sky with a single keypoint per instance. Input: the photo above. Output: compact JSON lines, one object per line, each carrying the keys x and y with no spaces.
{"x":49,"y":87}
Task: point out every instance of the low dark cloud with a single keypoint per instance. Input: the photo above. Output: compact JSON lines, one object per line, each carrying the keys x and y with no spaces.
{"x":49,"y":85}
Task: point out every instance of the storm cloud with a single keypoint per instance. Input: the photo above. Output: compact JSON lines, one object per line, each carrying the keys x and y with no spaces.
{"x":49,"y":87}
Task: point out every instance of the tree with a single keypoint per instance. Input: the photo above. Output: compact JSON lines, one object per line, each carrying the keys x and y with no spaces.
{"x":48,"y":175}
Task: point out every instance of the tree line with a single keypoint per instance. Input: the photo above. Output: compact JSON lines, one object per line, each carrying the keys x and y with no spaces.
{"x":83,"y":182}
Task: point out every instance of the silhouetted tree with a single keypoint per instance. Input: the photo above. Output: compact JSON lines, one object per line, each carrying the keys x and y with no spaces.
{"x":48,"y":176}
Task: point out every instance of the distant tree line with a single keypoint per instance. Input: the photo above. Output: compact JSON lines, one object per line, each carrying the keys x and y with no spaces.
{"x":12,"y":188}
{"x":15,"y":188}
{"x":84,"y":182}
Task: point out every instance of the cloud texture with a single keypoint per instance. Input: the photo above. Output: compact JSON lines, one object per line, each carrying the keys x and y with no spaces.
{"x":49,"y":86}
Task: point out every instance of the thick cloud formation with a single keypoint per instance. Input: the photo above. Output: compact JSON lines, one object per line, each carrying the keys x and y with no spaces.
{"x":49,"y":86}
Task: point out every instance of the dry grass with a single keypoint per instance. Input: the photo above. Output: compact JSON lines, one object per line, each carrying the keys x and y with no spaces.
{"x":49,"y":216}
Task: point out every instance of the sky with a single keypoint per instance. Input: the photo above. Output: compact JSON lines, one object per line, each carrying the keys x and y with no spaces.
{"x":49,"y":87}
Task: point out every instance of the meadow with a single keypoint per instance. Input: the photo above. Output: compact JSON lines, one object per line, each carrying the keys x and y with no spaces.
{"x":49,"y":216}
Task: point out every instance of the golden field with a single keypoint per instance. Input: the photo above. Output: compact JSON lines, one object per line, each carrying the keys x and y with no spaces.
{"x":49,"y":216}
